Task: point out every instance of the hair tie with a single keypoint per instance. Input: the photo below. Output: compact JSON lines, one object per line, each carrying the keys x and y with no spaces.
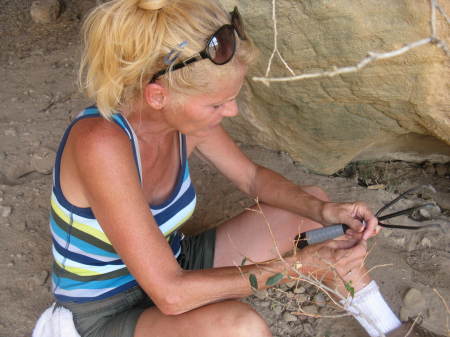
{"x":174,"y":53}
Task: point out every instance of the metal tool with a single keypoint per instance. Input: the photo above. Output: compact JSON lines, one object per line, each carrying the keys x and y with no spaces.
{"x":334,"y":231}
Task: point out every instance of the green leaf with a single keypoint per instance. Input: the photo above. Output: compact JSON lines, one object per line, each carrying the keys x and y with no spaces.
{"x":274,"y":279}
{"x":243,"y":261}
{"x":253,"y":281}
{"x":350,"y":289}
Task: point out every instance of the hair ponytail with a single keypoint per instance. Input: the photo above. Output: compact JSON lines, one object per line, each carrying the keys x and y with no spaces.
{"x":153,"y":5}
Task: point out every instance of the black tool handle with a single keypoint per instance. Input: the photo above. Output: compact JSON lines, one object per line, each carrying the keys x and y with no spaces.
{"x":320,"y":235}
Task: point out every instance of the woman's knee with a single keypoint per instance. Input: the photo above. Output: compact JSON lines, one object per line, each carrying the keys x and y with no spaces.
{"x":317,"y":192}
{"x":242,"y":321}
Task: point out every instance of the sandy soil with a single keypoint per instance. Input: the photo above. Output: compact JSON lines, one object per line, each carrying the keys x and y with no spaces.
{"x":38,"y":95}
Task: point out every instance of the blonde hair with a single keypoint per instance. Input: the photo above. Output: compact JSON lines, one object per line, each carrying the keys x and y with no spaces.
{"x":125,"y":42}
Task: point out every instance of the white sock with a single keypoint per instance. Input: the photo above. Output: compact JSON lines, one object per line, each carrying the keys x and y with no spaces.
{"x":376,"y":312}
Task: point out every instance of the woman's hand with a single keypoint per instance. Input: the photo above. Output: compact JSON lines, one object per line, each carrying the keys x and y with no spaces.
{"x":356,"y":215}
{"x":337,"y":262}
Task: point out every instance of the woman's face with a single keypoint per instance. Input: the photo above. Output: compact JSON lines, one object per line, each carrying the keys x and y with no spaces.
{"x":199,"y":114}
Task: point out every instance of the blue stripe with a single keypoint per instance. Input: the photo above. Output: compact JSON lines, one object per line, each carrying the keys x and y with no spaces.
{"x":83,"y":258}
{"x":82,"y":245}
{"x":113,"y":292}
{"x":178,"y":205}
{"x":66,"y":283}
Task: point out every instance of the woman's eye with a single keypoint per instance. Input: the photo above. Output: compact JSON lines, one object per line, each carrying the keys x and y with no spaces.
{"x":217,"y":106}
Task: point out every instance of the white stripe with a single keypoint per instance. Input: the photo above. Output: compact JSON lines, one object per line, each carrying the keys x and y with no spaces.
{"x":138,"y":152}
{"x":174,"y":221}
{"x":184,"y":187}
{"x":73,"y":249}
{"x":66,"y":262}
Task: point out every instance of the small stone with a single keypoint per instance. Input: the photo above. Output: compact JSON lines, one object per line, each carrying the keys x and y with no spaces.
{"x":442,"y":170}
{"x":5,"y":211}
{"x":424,"y":214}
{"x":414,"y":298}
{"x":299,"y":290}
{"x":301,"y":298}
{"x":10,"y":264}
{"x":308,"y":329}
{"x":413,"y":304}
{"x":41,"y":278}
{"x":265,"y":304}
{"x":43,"y":161}
{"x":426,"y":242}
{"x":319,"y":300}
{"x":277,"y":309}
{"x":261,"y":294}
{"x":291,"y":284}
{"x":310,"y":309}
{"x":288,"y":317}
{"x":10,"y":132}
{"x":289,"y":294}
{"x":45,"y":11}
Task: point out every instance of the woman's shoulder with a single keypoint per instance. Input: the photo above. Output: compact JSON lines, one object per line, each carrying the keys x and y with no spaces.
{"x":98,"y":137}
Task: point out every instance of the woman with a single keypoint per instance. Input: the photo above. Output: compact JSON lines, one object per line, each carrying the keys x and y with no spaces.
{"x":122,"y":188}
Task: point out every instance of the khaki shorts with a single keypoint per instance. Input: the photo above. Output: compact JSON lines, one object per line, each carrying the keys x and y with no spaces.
{"x":116,"y":316}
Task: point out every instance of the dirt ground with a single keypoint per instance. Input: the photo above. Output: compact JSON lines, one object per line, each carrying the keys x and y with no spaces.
{"x":39,"y":97}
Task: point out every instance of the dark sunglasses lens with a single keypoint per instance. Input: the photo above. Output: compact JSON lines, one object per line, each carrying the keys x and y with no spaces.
{"x":236,"y":21}
{"x":222,"y":45}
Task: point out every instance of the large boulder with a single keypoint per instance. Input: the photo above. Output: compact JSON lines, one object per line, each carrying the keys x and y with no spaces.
{"x":395,"y":108}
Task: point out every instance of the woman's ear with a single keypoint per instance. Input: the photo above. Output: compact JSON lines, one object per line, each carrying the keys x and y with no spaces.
{"x":156,"y":96}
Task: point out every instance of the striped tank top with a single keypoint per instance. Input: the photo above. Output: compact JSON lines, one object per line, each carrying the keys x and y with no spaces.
{"x":86,"y":267}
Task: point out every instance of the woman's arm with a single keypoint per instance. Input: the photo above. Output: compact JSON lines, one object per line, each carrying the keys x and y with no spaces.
{"x":108,"y":174}
{"x":273,"y":189}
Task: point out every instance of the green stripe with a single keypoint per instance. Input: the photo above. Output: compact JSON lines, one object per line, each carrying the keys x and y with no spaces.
{"x":66,"y":274}
{"x":81,"y":235}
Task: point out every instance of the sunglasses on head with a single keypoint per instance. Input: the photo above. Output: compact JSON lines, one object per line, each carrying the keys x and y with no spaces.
{"x":220,"y":47}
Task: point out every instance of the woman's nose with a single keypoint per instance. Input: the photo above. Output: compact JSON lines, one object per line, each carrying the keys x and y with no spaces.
{"x":231,"y":109}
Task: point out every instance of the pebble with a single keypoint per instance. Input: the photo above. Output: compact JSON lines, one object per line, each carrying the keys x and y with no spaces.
{"x":10,"y":132}
{"x":277,"y":309}
{"x":301,"y":298}
{"x":41,"y":278}
{"x":5,"y":211}
{"x":319,"y":300}
{"x":413,"y":304}
{"x":43,"y":161}
{"x":45,"y":11}
{"x":291,"y":284}
{"x":288,"y":317}
{"x":308,"y":329}
{"x":425,"y":242}
{"x":261,"y":294}
{"x":310,"y":309}
{"x":442,"y":170}
{"x":299,"y":290}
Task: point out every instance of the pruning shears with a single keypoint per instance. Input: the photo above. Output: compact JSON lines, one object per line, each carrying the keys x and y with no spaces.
{"x":334,"y":231}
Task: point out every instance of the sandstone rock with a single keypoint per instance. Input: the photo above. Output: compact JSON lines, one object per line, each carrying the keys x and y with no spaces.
{"x":393,"y":109}
{"x":45,"y":11}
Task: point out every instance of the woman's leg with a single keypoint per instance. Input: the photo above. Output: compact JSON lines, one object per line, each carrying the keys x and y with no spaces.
{"x":223,"y":319}
{"x":248,"y":235}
